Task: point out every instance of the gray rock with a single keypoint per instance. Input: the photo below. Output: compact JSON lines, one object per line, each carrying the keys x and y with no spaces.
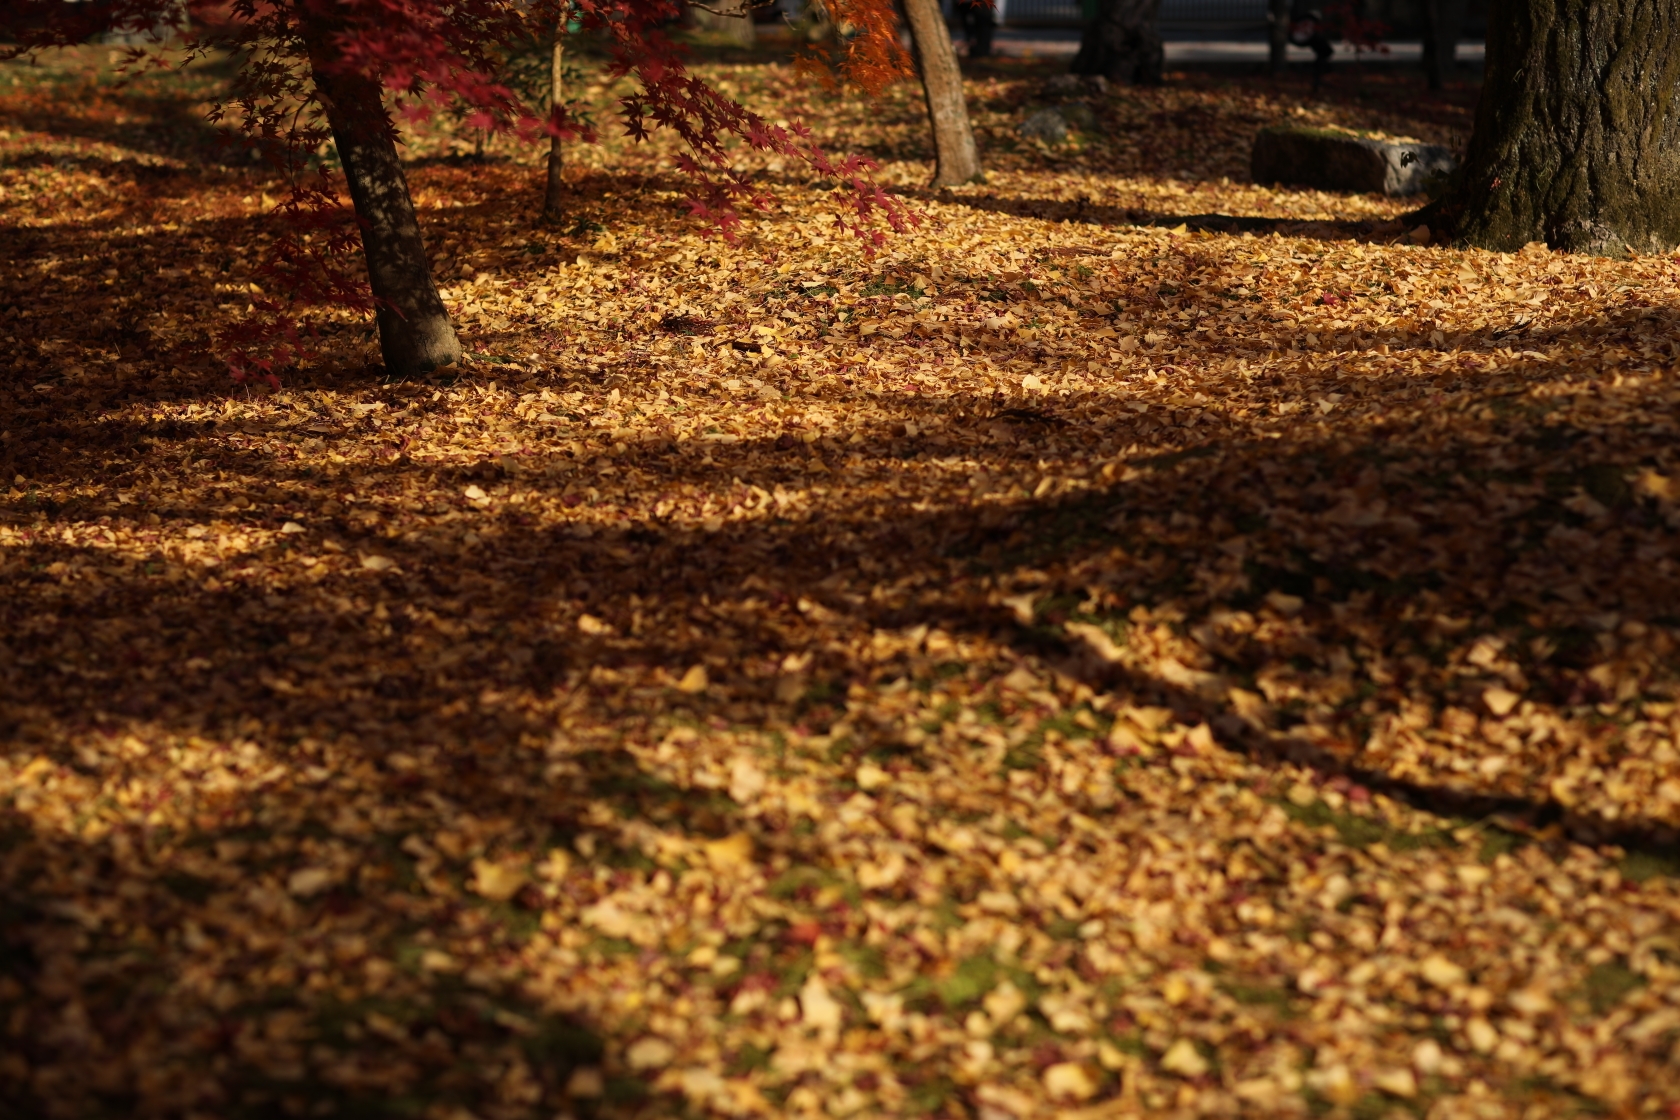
{"x":1079,"y":116}
{"x":1073,"y":85}
{"x":1340,"y":161}
{"x":1047,"y":125}
{"x":1051,"y":125}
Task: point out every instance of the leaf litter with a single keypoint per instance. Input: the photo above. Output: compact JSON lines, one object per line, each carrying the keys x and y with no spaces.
{"x":1067,"y":663}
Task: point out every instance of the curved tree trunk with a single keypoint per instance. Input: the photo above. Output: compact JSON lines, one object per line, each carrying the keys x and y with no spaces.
{"x":1577,"y":136}
{"x":957,"y":157}
{"x":414,"y":332}
{"x":1123,"y":43}
{"x":1277,"y":34}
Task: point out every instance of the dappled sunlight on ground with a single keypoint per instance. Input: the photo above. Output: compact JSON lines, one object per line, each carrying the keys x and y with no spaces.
{"x":1093,"y":657}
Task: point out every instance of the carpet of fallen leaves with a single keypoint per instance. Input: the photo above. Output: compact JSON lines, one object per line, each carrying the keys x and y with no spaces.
{"x":1142,"y":644}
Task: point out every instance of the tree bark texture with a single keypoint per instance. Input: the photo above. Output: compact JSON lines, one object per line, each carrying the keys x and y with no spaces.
{"x":554,"y":206}
{"x":736,"y":26}
{"x":1577,"y":136}
{"x":1277,"y":31}
{"x":1123,"y":43}
{"x":957,"y":157}
{"x":414,"y":332}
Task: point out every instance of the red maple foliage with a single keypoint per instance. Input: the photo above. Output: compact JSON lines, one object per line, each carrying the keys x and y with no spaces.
{"x":430,"y":54}
{"x":1363,"y":34}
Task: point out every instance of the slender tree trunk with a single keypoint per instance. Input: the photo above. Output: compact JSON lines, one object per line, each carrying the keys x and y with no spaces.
{"x":1442,"y":20}
{"x":1577,"y":136}
{"x":736,"y":26}
{"x":957,"y":156}
{"x":1277,"y":27}
{"x":414,"y":332}
{"x":1123,"y":43}
{"x":553,"y":196}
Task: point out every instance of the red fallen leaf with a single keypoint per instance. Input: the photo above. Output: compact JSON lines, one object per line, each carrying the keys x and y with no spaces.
{"x":757,"y":981}
{"x":805,"y":933}
{"x":1045,"y":1054}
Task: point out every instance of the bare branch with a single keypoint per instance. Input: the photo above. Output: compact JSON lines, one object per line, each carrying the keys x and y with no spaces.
{"x":734,"y":13}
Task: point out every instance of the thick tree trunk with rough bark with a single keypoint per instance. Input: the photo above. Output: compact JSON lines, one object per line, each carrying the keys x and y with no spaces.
{"x":414,"y":332}
{"x":736,"y":25}
{"x":1123,"y":43}
{"x":1277,"y":30}
{"x":1577,"y":137}
{"x":554,"y":204}
{"x":957,"y":158}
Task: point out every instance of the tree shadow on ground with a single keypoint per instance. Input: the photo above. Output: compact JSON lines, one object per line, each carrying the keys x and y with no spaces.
{"x":1373,"y":509}
{"x":1083,"y":210}
{"x":1384,"y":525}
{"x":167,"y":124}
{"x":354,"y":739}
{"x":421,"y":1035}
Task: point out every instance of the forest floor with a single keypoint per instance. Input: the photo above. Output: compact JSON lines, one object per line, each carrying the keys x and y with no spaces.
{"x":1091,"y":658}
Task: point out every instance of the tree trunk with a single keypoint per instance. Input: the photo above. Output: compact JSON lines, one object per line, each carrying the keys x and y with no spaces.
{"x":1442,"y":20}
{"x":979,"y":24}
{"x":957,"y":159}
{"x":553,"y":200}
{"x":736,"y":26}
{"x":1123,"y":43}
{"x":414,"y":332}
{"x":1277,"y":28}
{"x":1577,"y":136}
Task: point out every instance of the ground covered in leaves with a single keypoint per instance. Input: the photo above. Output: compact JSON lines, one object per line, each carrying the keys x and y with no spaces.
{"x":1141,"y":644}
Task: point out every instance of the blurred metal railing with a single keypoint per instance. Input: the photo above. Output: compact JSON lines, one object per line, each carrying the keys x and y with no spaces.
{"x":1192,"y":18}
{"x":1204,"y":19}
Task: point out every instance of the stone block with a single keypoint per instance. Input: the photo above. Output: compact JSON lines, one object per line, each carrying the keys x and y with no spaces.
{"x":1074,"y":85}
{"x":1344,"y":161}
{"x":1053,"y":124}
{"x":1047,"y":125}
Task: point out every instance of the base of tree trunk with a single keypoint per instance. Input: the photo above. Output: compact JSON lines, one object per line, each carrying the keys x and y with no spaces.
{"x":1123,"y":43}
{"x":1577,"y":136}
{"x":554,"y":187}
{"x":957,"y":157}
{"x":414,"y":332}
{"x":411,"y":347}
